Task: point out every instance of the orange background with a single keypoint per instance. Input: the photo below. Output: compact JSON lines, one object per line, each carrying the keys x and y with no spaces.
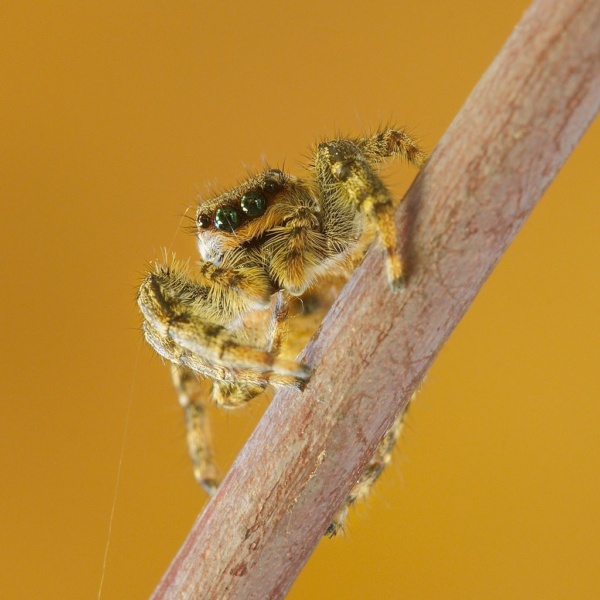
{"x":113,"y":118}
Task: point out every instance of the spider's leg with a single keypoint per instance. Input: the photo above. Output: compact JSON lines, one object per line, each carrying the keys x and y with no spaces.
{"x":376,"y":148}
{"x":193,"y":393}
{"x":186,"y":321}
{"x":389,"y":143}
{"x":371,"y":473}
{"x":382,"y":213}
{"x":233,"y":394}
{"x":230,"y":388}
{"x":277,"y":325}
{"x":349,"y":184}
{"x":223,"y":347}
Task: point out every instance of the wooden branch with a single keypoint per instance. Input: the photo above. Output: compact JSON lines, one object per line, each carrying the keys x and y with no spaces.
{"x":503,"y":149}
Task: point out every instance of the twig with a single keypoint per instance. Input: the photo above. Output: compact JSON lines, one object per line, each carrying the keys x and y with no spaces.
{"x":503,"y":149}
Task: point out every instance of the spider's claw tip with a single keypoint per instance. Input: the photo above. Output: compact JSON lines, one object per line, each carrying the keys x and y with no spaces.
{"x":302,"y":376}
{"x":397,"y":284}
{"x":301,"y":384}
{"x":304,"y":371}
{"x":210,"y":486}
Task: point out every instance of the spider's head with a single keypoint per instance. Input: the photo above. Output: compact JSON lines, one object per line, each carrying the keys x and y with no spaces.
{"x":243,"y":215}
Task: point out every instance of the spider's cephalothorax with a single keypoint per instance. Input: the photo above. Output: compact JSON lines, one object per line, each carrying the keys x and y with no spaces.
{"x":263,"y":244}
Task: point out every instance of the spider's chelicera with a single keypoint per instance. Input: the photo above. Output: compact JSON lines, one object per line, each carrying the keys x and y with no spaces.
{"x":264,"y":244}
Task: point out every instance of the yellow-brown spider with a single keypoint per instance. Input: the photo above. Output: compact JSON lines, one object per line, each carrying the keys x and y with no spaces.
{"x":270,"y":246}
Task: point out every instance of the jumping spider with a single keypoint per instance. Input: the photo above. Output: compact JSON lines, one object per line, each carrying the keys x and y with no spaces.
{"x":264,"y":246}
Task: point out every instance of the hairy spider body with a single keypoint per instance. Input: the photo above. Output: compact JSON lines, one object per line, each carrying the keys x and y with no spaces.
{"x":264,"y":245}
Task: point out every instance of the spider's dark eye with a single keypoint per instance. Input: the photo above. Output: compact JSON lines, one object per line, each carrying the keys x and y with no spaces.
{"x":203,"y":221}
{"x":226,"y":218}
{"x":272,"y":186}
{"x":342,"y":170}
{"x":253,"y":204}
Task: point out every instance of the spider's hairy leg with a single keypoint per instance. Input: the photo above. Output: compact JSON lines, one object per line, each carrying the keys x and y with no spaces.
{"x":376,"y":148}
{"x":277,"y":325}
{"x":371,"y":473}
{"x":193,"y":393}
{"x":186,"y":321}
{"x":391,"y":142}
{"x":229,"y":394}
{"x":233,"y":394}
{"x":383,"y":214}
{"x":224,"y":347}
{"x":347,"y":177}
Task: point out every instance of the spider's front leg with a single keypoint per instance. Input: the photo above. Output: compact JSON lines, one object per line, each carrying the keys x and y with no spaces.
{"x":350,"y":186}
{"x":195,"y":325}
{"x":192,"y":323}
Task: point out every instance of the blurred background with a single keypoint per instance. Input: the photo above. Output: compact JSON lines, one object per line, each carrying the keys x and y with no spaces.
{"x":114,"y":118}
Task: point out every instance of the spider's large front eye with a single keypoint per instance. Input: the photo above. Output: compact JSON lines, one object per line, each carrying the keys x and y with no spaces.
{"x":226,"y":218}
{"x":253,"y":204}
